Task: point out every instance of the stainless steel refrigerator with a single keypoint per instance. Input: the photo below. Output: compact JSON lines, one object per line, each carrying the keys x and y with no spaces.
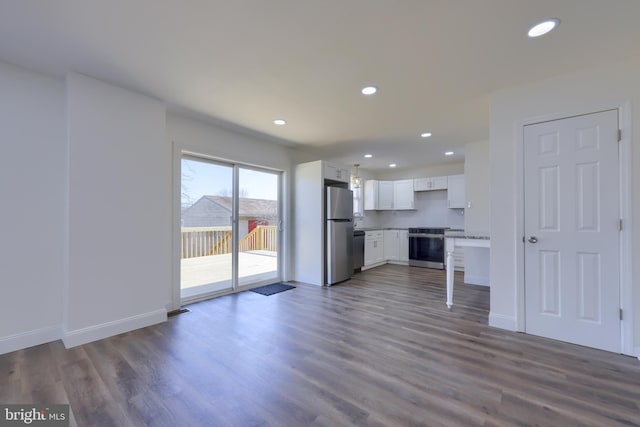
{"x":339,"y":238}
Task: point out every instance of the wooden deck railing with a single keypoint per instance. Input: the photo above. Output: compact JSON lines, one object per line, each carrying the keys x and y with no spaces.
{"x":204,"y":241}
{"x":261,"y":238}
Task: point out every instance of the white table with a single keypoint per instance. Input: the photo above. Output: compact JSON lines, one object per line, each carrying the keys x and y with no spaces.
{"x":459,"y":239}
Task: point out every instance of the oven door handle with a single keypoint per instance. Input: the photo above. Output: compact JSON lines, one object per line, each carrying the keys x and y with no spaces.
{"x":428,"y":236}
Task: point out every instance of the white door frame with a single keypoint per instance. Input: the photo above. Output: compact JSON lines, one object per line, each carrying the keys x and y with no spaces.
{"x":626,"y":291}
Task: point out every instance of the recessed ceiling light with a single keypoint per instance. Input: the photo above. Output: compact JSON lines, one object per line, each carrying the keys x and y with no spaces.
{"x":425,"y":134}
{"x":369,"y":90}
{"x":279,"y":122}
{"x":368,"y":156}
{"x":543,"y":27}
{"x":392,"y":165}
{"x":448,"y":153}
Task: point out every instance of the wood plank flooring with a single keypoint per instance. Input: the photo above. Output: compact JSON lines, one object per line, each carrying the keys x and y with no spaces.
{"x":379,"y":350}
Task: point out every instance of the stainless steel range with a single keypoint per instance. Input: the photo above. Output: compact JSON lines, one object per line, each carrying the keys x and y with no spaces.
{"x":426,"y":247}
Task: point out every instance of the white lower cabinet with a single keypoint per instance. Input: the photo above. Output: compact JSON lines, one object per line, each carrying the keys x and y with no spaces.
{"x":396,"y":246}
{"x":391,"y":247}
{"x":373,"y":247}
{"x":403,"y":244}
{"x":382,"y":246}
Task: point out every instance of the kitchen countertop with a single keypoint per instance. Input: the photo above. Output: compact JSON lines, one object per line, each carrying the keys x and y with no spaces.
{"x":378,"y":228}
{"x":461,"y":234}
{"x":452,"y":232}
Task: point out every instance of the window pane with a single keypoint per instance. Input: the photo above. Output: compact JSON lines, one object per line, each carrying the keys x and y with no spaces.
{"x":258,"y":226}
{"x":206,"y":233}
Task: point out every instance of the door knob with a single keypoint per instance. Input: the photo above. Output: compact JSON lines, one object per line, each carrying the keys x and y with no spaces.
{"x":533,"y":239}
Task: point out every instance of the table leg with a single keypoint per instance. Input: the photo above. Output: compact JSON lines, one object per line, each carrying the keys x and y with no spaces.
{"x":450,"y":269}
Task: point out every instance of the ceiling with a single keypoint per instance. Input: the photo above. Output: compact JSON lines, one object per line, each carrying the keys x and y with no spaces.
{"x":245,"y":63}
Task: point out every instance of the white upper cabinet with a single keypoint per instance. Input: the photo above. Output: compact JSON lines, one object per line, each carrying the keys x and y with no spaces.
{"x":336,"y":173}
{"x":388,"y":195}
{"x":430,"y":183}
{"x":378,"y":195}
{"x":385,"y":195}
{"x":371,"y":195}
{"x":403,"y":196}
{"x":455,"y":192}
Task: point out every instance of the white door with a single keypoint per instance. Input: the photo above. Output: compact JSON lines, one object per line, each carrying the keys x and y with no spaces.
{"x":571,"y":207}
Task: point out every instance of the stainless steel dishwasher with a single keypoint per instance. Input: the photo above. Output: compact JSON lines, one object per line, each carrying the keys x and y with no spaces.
{"x":358,"y":250}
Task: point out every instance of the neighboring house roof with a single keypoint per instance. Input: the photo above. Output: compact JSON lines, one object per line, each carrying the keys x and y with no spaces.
{"x":248,"y":207}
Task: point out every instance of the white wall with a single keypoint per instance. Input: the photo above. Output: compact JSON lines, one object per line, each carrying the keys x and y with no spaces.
{"x":611,"y":86}
{"x":32,"y":190}
{"x":209,"y":139}
{"x":119,"y":211}
{"x":477,"y":218}
{"x":86,"y":183}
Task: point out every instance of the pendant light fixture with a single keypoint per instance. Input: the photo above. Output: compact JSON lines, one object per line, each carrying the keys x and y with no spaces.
{"x":355,"y":179}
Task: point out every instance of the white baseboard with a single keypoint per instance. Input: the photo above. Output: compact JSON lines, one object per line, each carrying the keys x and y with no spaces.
{"x":637,"y":352}
{"x":29,"y":339}
{"x":115,"y":327}
{"x":476,"y":280}
{"x":503,"y":322}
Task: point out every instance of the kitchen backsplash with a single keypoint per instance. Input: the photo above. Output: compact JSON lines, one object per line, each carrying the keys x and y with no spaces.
{"x":431,"y":211}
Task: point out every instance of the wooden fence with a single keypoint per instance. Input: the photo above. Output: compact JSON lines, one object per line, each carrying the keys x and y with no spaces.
{"x":205,"y":241}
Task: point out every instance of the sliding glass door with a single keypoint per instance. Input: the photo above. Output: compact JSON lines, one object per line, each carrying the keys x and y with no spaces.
{"x":258,"y":226}
{"x":229,"y":233}
{"x":206,"y":234}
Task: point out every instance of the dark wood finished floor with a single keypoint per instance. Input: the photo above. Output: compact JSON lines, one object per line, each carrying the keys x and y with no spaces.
{"x":379,"y":350}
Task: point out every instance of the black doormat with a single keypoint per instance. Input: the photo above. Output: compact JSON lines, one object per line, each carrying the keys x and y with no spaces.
{"x":272,"y":289}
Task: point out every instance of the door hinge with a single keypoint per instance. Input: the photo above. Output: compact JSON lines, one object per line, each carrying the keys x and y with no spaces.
{"x":619,"y":135}
{"x":620,"y":224}
{"x":620,"y":314}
